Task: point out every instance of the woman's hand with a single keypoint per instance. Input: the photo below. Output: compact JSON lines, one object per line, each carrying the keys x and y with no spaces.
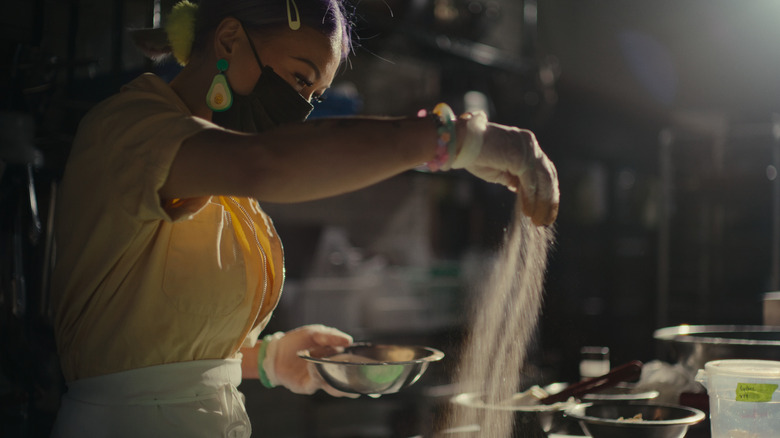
{"x":512,"y":157}
{"x":284,"y":367}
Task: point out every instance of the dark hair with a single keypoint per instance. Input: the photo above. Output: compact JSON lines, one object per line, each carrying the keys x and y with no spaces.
{"x":331,"y":17}
{"x":327,"y":16}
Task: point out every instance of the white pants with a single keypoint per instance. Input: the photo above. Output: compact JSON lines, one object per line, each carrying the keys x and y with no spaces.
{"x":188,"y":399}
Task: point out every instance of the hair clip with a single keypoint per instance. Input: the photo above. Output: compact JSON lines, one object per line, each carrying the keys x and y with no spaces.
{"x":294,"y":24}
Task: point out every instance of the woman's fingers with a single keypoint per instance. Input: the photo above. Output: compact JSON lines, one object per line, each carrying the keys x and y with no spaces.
{"x":331,"y":337}
{"x":539,"y":192}
{"x":548,"y":195}
{"x":512,"y":157}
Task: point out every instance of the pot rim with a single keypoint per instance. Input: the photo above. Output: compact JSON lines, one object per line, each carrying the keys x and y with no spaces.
{"x":698,"y":334}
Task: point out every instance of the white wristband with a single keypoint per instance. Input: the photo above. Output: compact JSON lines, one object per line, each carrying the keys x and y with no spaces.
{"x":472,"y":142}
{"x":270,"y":357}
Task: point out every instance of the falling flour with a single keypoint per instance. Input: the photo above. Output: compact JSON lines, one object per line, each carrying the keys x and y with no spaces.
{"x":505,"y":313}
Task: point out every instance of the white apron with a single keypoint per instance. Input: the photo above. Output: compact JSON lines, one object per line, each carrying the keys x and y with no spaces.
{"x":188,"y":399}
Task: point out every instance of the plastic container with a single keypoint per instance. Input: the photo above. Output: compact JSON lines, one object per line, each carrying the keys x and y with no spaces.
{"x":744,"y":397}
{"x":594,"y":362}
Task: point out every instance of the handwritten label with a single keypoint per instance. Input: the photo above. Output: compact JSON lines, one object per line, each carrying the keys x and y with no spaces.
{"x":755,"y":392}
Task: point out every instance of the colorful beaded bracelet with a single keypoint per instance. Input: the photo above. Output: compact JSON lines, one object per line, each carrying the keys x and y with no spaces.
{"x":446,"y":142}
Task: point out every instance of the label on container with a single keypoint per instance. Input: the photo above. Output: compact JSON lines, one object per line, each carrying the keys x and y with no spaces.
{"x":755,"y":392}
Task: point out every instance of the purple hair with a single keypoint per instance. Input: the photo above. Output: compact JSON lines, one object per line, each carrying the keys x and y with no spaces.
{"x":327,"y":16}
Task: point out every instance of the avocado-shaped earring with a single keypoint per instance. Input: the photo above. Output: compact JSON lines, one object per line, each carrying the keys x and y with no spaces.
{"x":220,"y":98}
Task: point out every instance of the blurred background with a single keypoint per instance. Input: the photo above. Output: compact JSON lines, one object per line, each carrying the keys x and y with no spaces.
{"x":662,"y":117}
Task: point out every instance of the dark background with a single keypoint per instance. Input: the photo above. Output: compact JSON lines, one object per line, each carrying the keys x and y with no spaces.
{"x":660,"y":117}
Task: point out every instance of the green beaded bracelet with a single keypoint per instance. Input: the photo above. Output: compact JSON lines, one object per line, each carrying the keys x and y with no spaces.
{"x":260,"y":358}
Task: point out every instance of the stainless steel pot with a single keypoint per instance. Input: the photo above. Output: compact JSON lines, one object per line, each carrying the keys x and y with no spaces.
{"x":694,"y":345}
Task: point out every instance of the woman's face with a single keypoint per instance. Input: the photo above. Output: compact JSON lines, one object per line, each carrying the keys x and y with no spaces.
{"x":305,"y":58}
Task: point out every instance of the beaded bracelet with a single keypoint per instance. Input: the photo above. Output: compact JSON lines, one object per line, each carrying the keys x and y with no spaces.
{"x":446,"y":142}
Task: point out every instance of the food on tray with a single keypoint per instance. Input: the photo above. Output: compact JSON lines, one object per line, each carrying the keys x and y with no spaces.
{"x":529,"y":397}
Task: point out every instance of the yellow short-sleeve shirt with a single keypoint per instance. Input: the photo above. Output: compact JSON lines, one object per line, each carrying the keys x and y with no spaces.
{"x":140,"y":281}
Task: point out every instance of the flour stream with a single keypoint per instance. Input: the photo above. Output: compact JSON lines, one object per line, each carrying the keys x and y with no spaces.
{"x":504,"y":316}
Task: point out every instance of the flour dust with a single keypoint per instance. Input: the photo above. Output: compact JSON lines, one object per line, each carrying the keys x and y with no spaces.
{"x":504,"y":316}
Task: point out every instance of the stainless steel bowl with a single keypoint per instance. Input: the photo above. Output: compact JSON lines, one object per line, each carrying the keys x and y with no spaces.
{"x":613,"y":420}
{"x":623,"y":392}
{"x":372,"y":369}
{"x":692,"y":346}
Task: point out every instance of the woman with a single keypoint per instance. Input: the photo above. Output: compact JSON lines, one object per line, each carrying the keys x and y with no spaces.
{"x":168,"y":269}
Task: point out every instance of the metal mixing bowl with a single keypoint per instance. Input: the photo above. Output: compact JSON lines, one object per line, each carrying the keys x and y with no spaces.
{"x":372,"y":369}
{"x":623,"y":393}
{"x":658,"y":421}
{"x":695,"y":345}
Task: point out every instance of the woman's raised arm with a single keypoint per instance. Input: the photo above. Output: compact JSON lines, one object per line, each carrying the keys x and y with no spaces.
{"x":327,"y":157}
{"x":299,"y":162}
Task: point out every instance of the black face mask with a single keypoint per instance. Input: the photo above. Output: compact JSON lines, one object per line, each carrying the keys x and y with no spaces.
{"x":271,"y":103}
